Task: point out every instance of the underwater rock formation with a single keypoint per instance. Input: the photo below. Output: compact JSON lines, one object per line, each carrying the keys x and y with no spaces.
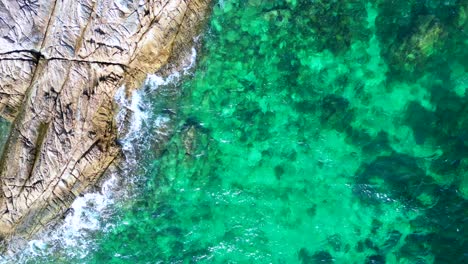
{"x":61,"y":63}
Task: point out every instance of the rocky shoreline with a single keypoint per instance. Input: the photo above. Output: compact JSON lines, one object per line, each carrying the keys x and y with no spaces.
{"x":61,"y":63}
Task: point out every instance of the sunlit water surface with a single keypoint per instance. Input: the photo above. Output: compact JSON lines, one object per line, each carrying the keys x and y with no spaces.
{"x":308,"y":132}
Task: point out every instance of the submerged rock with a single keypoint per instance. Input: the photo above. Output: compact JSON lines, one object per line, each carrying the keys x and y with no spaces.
{"x":61,"y":63}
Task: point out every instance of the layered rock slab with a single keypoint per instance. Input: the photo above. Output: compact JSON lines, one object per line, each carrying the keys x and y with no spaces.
{"x":61,"y":63}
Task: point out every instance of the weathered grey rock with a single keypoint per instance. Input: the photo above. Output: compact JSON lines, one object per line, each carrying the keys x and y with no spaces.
{"x":61,"y":63}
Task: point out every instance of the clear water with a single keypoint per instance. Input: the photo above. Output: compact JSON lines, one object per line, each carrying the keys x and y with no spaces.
{"x":309,"y":132}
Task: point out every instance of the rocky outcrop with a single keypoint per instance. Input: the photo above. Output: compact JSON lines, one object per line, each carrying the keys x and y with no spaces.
{"x":61,"y":63}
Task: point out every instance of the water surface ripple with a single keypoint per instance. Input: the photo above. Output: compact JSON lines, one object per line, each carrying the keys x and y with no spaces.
{"x":309,"y":132}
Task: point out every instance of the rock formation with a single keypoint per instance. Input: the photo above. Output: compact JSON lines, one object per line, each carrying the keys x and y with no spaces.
{"x":61,"y":63}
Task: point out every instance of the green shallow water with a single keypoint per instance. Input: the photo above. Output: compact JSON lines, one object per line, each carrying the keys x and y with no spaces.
{"x":4,"y":131}
{"x":309,"y":132}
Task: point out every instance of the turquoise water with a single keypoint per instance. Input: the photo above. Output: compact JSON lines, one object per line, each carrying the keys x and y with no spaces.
{"x":309,"y":132}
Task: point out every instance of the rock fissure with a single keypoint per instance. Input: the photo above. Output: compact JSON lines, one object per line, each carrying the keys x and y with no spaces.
{"x":43,"y":127}
{"x":48,"y":23}
{"x":33,"y":52}
{"x":39,"y":56}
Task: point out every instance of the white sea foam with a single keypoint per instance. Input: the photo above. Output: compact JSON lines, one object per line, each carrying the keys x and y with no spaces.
{"x":134,"y":108}
{"x":154,"y":81}
{"x":86,"y":212}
